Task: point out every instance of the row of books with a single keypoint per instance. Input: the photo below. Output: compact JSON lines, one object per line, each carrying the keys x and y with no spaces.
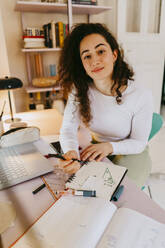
{"x":33,"y":31}
{"x":55,"y":33}
{"x":51,"y":35}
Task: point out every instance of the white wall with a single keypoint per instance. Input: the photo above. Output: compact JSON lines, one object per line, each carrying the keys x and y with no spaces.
{"x":16,"y":61}
{"x":4,"y":68}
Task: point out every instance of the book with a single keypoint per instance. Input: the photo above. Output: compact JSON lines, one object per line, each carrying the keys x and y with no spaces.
{"x":57,"y":34}
{"x":103,"y":177}
{"x":79,"y":222}
{"x":47,"y":35}
{"x":53,"y":34}
{"x":33,"y":41}
{"x":60,"y":33}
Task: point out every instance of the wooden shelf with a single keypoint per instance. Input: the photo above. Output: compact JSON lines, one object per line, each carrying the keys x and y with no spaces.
{"x":28,"y":50}
{"x":24,"y":6}
{"x":31,"y":89}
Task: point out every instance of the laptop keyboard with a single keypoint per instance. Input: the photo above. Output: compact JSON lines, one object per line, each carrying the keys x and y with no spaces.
{"x":11,"y":166}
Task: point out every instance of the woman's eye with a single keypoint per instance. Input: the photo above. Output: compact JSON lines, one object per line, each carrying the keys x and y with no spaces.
{"x":87,"y":57}
{"x":101,"y":51}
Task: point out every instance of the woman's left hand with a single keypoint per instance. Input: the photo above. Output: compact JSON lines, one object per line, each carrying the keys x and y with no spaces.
{"x":96,"y":151}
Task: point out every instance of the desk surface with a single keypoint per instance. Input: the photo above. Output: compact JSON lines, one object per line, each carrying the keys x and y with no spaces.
{"x":49,"y":120}
{"x":28,"y":207}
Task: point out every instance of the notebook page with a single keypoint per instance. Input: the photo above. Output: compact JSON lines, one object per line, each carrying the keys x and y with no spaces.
{"x":129,"y":228}
{"x":100,"y":176}
{"x":72,"y":222}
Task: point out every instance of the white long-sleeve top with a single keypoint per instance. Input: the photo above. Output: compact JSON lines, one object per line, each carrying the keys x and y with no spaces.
{"x":126,"y":126}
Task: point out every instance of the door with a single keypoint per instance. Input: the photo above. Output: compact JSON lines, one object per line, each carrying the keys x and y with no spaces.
{"x":141,"y":32}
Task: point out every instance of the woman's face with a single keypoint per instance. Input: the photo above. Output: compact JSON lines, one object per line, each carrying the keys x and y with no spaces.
{"x":97,"y":57}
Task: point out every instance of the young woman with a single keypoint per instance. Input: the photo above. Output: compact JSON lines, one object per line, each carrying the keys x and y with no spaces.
{"x":103,"y":95}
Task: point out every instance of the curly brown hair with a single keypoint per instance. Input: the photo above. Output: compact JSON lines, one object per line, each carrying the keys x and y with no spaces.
{"x":72,"y":72}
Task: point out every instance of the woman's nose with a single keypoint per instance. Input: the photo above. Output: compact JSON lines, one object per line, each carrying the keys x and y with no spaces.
{"x":95,"y":60}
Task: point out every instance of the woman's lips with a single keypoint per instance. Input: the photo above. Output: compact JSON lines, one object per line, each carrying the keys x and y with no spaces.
{"x":98,"y":69}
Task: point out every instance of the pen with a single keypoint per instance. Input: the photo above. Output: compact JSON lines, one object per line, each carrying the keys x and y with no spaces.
{"x":85,"y":193}
{"x":118,"y":193}
{"x":38,"y":189}
{"x":59,"y":155}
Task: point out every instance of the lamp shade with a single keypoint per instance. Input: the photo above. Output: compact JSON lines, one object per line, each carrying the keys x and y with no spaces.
{"x":8,"y":83}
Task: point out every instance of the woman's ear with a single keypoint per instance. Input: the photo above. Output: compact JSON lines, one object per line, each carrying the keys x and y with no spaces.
{"x":114,"y":56}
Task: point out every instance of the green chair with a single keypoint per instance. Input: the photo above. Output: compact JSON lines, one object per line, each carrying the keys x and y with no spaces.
{"x":157,"y":123}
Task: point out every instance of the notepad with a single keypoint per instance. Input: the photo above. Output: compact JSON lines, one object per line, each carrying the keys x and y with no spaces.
{"x":78,"y":222}
{"x":104,"y":177}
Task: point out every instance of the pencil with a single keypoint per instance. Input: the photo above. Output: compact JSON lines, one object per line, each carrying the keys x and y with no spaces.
{"x":2,"y":110}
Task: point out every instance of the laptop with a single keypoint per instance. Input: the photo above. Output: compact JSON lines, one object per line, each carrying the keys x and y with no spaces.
{"x":20,"y":163}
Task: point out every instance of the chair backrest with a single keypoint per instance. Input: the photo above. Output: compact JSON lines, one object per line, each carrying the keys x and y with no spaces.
{"x":157,"y":123}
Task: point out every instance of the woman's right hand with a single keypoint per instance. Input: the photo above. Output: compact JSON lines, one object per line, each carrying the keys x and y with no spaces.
{"x":69,"y":166}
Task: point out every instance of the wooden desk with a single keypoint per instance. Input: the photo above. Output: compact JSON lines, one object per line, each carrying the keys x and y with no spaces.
{"x":49,"y":120}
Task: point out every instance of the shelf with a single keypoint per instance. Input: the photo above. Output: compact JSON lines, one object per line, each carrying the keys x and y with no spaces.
{"x":24,"y":6}
{"x":31,"y":89}
{"x":89,"y":9}
{"x":28,"y":50}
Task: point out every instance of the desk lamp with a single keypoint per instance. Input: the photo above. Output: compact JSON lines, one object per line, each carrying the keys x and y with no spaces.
{"x":10,"y":83}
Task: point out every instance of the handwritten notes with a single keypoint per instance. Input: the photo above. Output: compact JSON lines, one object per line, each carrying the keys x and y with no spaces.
{"x":135,"y":230}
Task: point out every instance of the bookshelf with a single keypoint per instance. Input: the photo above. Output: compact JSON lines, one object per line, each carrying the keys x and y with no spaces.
{"x":69,"y":10}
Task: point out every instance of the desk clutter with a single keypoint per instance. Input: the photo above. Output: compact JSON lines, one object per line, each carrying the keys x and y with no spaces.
{"x":103,"y":178}
{"x":46,"y":100}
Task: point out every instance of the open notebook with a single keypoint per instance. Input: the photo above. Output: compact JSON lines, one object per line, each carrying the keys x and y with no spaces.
{"x":79,"y":222}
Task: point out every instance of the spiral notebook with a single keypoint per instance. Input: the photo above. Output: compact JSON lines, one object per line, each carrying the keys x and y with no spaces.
{"x":104,"y":177}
